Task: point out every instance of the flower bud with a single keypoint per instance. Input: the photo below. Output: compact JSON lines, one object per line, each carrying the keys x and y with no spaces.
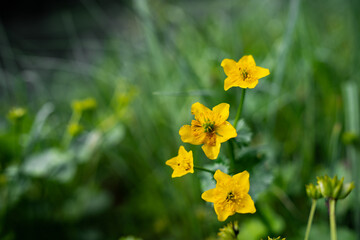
{"x":325,"y":186}
{"x":349,"y":138}
{"x":313,"y":191}
{"x":337,"y":186}
{"x":346,"y":190}
{"x":334,"y":188}
{"x":229,"y":232}
{"x":16,"y":114}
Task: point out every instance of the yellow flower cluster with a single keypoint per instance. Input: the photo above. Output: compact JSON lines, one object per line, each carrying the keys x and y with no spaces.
{"x":210,"y":128}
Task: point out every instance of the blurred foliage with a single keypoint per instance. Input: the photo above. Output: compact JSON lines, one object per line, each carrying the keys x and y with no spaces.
{"x":90,"y":115}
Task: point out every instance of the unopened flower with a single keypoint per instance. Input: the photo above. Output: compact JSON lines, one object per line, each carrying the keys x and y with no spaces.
{"x":349,"y":138}
{"x":278,"y":238}
{"x":313,"y":191}
{"x":16,"y":114}
{"x":230,"y":195}
{"x":182,"y":164}
{"x":229,"y":232}
{"x":346,"y":190}
{"x":244,"y":73}
{"x":334,"y":188}
{"x":209,"y":128}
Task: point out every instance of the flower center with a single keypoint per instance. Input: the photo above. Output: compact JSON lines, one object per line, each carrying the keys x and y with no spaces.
{"x":245,"y":75}
{"x":230,"y":196}
{"x":187,"y":166}
{"x":208,"y":126}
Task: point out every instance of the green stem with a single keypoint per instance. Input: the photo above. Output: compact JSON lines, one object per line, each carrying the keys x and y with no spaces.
{"x":332,"y":219}
{"x":311,"y":216}
{"x":204,"y":169}
{"x":75,"y":119}
{"x":232,"y":154}
{"x":238,"y":114}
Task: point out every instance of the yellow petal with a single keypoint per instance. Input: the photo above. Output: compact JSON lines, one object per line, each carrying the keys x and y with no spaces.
{"x":221,"y":113}
{"x":199,"y":108}
{"x":231,"y":82}
{"x":211,"y":151}
{"x":172,"y":162}
{"x":222,"y":212}
{"x":192,"y":135}
{"x":246,"y":205}
{"x":224,"y":132}
{"x":178,"y":172}
{"x":182,"y":151}
{"x":209,"y":195}
{"x":253,"y":84}
{"x":247,"y":61}
{"x":191,"y":159}
{"x":261,"y":72}
{"x":229,"y":66}
{"x":242,"y":180}
{"x":221,"y":177}
{"x":235,"y":82}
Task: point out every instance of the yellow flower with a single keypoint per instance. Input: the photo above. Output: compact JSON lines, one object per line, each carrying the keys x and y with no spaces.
{"x":209,"y":128}
{"x":230,"y":195}
{"x":84,"y":105}
{"x":244,"y":73}
{"x":182,"y":164}
{"x":74,"y":129}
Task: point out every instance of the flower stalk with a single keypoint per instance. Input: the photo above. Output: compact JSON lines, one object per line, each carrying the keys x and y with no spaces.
{"x":204,"y":169}
{"x":311,"y":216}
{"x":332,"y":219}
{"x":239,"y":111}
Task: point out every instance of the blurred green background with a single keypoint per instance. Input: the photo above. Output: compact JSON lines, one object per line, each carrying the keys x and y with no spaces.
{"x":93,"y":93}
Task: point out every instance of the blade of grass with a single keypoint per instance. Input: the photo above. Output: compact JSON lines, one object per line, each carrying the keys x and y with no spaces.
{"x":294,"y":9}
{"x":352,"y":122}
{"x":37,"y":126}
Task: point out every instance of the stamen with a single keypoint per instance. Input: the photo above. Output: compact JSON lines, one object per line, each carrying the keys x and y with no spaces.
{"x":208,"y":126}
{"x":244,"y":74}
{"x":230,"y":196}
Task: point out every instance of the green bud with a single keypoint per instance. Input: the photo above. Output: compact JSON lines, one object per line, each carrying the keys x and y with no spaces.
{"x":278,"y":238}
{"x":334,"y":188}
{"x":16,"y":114}
{"x":229,"y":232}
{"x":346,"y":190}
{"x":325,"y":186}
{"x":129,"y":238}
{"x":337,"y":186}
{"x":349,"y":138}
{"x":313,"y":191}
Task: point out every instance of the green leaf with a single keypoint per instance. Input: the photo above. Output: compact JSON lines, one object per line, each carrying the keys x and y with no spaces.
{"x":51,"y":163}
